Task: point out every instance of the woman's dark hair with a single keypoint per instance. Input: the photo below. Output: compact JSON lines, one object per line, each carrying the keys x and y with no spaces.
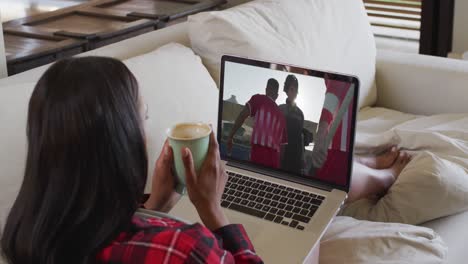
{"x":291,"y":80}
{"x":86,"y":165}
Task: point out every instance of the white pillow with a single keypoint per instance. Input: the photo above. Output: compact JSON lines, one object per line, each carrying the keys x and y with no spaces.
{"x":431,"y":186}
{"x":177,"y":88}
{"x":353,"y":241}
{"x":331,"y":35}
{"x":14,"y":101}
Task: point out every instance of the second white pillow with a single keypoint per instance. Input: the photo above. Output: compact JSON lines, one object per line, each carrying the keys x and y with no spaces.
{"x":332,"y":35}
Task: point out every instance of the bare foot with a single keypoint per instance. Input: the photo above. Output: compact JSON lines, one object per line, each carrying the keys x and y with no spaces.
{"x":399,"y":164}
{"x":388,"y":176}
{"x":382,"y":161}
{"x":372,"y":183}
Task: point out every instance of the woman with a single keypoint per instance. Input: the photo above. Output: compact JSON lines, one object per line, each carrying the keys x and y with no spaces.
{"x":85,"y":175}
{"x":293,"y":154}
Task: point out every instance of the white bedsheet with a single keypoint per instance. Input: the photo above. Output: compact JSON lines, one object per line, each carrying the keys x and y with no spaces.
{"x":442,"y":135}
{"x":354,"y":241}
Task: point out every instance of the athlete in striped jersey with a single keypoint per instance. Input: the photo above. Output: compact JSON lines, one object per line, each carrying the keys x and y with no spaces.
{"x":269,"y":130}
{"x":329,"y":158}
{"x":374,"y":174}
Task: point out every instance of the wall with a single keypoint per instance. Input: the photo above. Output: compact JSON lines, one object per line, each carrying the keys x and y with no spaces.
{"x":3,"y":69}
{"x":460,"y":31}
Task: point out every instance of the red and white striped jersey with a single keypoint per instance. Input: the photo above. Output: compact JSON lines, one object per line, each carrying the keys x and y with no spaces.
{"x":270,"y":125}
{"x":334,"y":97}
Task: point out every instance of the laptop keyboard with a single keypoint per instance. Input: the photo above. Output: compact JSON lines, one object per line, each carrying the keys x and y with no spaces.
{"x":277,"y":203}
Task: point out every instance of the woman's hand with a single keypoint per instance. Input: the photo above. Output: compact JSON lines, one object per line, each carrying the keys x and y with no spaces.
{"x":163,"y":196}
{"x":206,"y":188}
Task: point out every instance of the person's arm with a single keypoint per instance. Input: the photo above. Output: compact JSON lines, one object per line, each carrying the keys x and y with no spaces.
{"x":228,"y":244}
{"x":308,"y":137}
{"x":320,"y":151}
{"x":205,"y":190}
{"x":237,"y":124}
{"x":163,"y":195}
{"x":206,"y":187}
{"x":234,"y":239}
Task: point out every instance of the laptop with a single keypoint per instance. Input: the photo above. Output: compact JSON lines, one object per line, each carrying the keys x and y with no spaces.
{"x":271,"y":118}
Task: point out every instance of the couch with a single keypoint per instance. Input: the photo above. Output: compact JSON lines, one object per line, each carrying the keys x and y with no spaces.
{"x":410,"y":83}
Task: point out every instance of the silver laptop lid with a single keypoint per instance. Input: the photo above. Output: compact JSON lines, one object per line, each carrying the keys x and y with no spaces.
{"x":288,"y":122}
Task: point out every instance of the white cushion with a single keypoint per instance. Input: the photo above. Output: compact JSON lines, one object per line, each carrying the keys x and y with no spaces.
{"x":434,"y":184}
{"x":361,"y":242}
{"x":14,"y":101}
{"x":331,"y":35}
{"x":413,"y":83}
{"x":431,"y":186}
{"x":177,"y":88}
{"x":452,"y":231}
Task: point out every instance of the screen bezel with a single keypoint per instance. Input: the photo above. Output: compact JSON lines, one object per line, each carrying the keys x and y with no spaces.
{"x":298,"y":178}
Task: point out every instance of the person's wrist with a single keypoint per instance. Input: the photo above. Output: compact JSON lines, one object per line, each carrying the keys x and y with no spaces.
{"x":212,"y":215}
{"x":153,"y":202}
{"x":161,"y":204}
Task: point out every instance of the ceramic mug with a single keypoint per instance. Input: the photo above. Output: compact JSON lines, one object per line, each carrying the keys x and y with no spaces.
{"x":194,"y":136}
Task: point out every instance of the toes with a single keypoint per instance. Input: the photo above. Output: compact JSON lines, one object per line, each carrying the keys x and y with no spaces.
{"x":401,"y":157}
{"x":405,"y":158}
{"x":391,"y":155}
{"x":391,"y":151}
{"x":409,"y":158}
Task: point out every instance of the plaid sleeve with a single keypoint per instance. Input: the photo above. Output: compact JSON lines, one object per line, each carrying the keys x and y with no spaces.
{"x":234,"y":239}
{"x":161,"y":240}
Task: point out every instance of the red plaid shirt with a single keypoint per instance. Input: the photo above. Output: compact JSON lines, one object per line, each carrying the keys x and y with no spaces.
{"x":163,"y":240}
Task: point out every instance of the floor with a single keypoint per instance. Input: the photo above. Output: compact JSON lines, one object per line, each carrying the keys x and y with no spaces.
{"x":21,"y":8}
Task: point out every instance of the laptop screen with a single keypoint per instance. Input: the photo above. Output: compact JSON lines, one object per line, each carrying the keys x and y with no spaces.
{"x":287,"y":119}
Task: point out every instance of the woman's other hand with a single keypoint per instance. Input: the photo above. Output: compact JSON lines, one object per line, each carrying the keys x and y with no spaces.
{"x":206,"y":188}
{"x":163,"y":196}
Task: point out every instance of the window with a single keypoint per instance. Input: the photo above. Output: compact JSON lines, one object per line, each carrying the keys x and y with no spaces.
{"x":423,"y":26}
{"x":396,"y":23}
{"x":395,"y":18}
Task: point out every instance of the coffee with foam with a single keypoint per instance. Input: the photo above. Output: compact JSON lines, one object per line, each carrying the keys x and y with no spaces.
{"x":187,"y":131}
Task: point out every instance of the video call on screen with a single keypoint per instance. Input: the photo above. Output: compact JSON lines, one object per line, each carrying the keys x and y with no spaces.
{"x":281,"y":118}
